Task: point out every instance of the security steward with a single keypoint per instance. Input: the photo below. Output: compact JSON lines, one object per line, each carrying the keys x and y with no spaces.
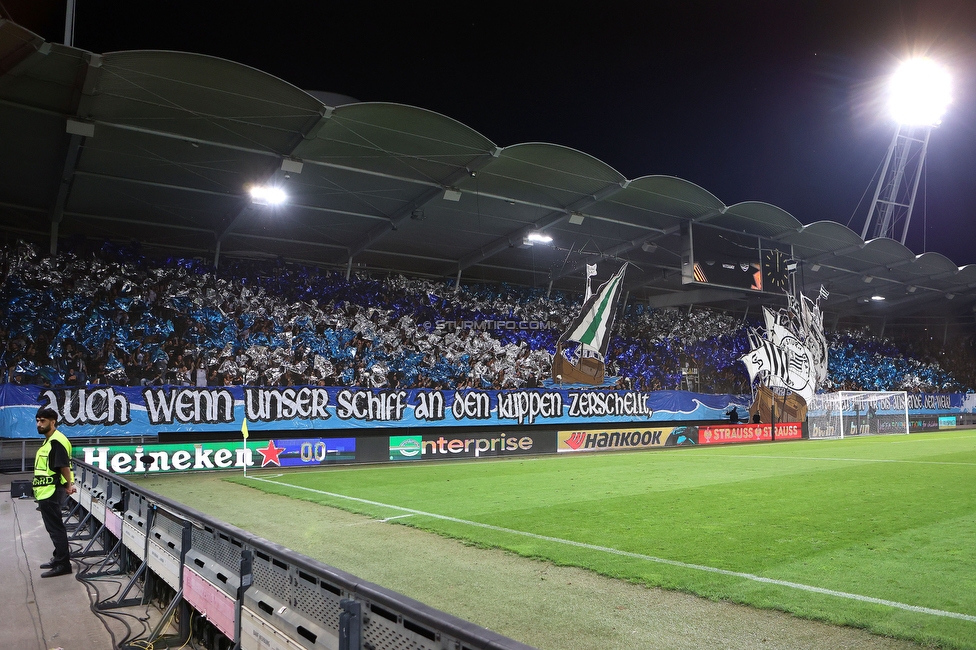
{"x":52,"y":481}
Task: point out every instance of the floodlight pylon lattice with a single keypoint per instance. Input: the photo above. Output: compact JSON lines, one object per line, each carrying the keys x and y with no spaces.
{"x":919,"y":93}
{"x":894,"y":197}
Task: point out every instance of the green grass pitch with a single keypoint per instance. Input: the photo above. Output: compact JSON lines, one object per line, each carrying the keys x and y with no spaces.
{"x":874,"y":532}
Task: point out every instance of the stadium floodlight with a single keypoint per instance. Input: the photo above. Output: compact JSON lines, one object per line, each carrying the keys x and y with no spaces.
{"x":264,"y":195}
{"x":539,"y":237}
{"x":919,"y":93}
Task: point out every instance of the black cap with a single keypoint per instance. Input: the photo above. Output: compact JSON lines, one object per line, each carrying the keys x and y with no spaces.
{"x":47,"y":413}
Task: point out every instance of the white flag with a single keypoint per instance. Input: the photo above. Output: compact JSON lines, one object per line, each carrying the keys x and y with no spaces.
{"x":590,"y":272}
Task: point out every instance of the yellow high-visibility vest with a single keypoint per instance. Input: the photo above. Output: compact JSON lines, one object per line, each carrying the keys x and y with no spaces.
{"x":46,"y":479}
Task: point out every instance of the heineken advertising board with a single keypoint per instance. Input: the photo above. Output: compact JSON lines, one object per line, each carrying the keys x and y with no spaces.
{"x":294,"y":452}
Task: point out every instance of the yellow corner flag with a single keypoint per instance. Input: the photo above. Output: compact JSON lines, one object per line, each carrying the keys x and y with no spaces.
{"x":244,"y":456}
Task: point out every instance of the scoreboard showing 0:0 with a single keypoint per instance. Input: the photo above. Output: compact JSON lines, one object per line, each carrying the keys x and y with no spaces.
{"x":734,"y":260}
{"x":314,"y":451}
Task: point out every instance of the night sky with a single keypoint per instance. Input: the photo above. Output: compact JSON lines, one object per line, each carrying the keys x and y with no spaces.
{"x":777,"y":101}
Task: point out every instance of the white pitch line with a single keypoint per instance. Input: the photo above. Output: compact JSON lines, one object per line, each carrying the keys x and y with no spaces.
{"x":649,"y":558}
{"x":851,"y":460}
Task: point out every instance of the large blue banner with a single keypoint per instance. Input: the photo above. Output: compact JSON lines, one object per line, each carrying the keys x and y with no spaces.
{"x":941,"y":403}
{"x":148,"y":411}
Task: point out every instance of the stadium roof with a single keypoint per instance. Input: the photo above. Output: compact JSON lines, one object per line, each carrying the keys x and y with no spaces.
{"x":162,"y":147}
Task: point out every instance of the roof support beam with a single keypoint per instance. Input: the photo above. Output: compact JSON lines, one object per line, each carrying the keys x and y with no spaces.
{"x":76,"y":132}
{"x":613,"y":252}
{"x":888,"y":267}
{"x":20,"y":58}
{"x":251,"y":150}
{"x":816,"y":259}
{"x":400,"y":216}
{"x":301,"y":242}
{"x":509,"y":240}
{"x":917,"y":300}
{"x":56,"y":212}
{"x":139,"y":222}
{"x":166,"y":186}
{"x":226,"y":195}
{"x":558,"y":215}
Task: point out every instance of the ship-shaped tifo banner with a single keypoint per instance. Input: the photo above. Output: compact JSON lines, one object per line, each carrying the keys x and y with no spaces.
{"x":787,"y":361}
{"x":590,"y":331}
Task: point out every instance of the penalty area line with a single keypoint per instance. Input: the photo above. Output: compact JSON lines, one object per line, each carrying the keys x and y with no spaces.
{"x":641,"y":556}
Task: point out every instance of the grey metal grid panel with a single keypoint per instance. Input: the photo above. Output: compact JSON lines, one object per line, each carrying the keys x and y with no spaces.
{"x":384,"y":634}
{"x":218,"y":549}
{"x":173,"y":528}
{"x":88,"y":480}
{"x":316,"y":603}
{"x":272,"y":579}
{"x":138,"y":506}
{"x":113,"y":492}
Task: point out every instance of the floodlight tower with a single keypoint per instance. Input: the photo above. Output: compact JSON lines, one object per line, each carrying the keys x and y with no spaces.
{"x":918,"y":95}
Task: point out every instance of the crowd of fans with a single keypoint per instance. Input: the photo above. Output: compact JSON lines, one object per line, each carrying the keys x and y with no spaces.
{"x":113,"y":316}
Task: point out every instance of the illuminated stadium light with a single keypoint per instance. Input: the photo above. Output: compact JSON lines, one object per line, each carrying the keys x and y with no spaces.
{"x":264,"y":195}
{"x":539,"y":237}
{"x":919,"y":93}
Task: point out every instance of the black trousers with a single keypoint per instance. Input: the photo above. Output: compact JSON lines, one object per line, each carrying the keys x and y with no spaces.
{"x":54,"y":523}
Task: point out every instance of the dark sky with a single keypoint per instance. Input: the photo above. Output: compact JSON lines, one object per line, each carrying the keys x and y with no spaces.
{"x":775,"y":101}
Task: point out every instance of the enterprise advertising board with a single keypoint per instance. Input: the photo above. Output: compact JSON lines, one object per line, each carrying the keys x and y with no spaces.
{"x":467,"y":445}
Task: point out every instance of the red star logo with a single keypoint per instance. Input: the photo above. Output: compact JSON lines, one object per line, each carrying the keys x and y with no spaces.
{"x":270,"y":454}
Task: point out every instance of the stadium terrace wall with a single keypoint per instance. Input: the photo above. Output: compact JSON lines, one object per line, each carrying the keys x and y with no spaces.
{"x":104,"y":411}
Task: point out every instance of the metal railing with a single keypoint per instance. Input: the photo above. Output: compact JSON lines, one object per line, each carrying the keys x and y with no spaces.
{"x":259,"y":594}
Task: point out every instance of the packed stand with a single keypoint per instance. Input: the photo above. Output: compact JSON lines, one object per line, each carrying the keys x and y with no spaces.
{"x":112,"y":316}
